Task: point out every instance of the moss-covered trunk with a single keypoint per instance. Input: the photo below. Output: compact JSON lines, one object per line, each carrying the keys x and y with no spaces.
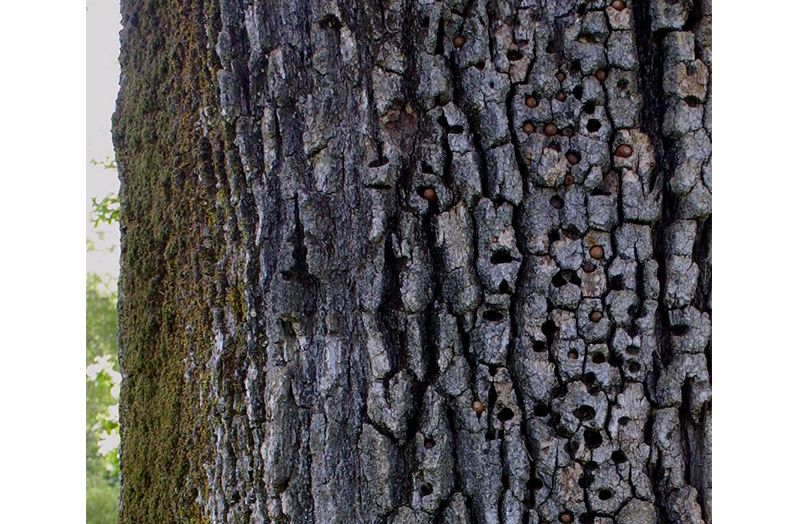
{"x":415,"y":261}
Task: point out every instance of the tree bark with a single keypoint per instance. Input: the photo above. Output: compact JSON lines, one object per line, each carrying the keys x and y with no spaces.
{"x":415,"y":261}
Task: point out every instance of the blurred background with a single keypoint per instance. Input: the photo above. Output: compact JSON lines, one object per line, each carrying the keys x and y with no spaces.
{"x":102,"y":263}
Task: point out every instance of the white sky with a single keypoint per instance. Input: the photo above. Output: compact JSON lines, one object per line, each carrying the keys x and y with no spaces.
{"x":102,"y":82}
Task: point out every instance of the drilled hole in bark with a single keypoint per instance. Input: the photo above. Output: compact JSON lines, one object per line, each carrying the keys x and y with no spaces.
{"x":541,"y":410}
{"x":549,"y":48}
{"x":425,"y":22}
{"x":426,"y":168}
{"x":426,"y":490}
{"x":633,"y":366}
{"x":593,"y":438}
{"x":480,"y":65}
{"x":577,"y":92}
{"x":572,"y":354}
{"x":582,"y":9}
{"x":330,"y":22}
{"x":587,"y":38}
{"x":619,"y":457}
{"x":539,"y":346}
{"x":593,"y":125}
{"x":514,"y":55}
{"x":632,"y":350}
{"x":549,"y":329}
{"x":536,"y":483}
{"x":575,"y":66}
{"x":598,"y":358}
{"x":378,"y":162}
{"x":566,"y":276}
{"x":567,"y":131}
{"x":429,"y":443}
{"x":679,"y":330}
{"x":505,"y":288}
{"x":591,"y":465}
{"x":505,"y":414}
{"x":617,"y":283}
{"x":584,"y":412}
{"x":501,"y":256}
{"x":553,"y":236}
{"x":623,"y":421}
{"x":492,"y":315}
{"x":456,"y":130}
{"x":589,"y":108}
{"x":605,"y":494}
{"x":556,"y":202}
{"x":622,"y":83}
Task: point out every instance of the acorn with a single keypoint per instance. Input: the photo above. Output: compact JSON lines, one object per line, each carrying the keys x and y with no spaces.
{"x":567,"y":131}
{"x":596,"y":316}
{"x":565,"y":517}
{"x":561,"y":96}
{"x":550,"y":129}
{"x":459,"y":41}
{"x":560,"y":76}
{"x":429,"y":443}
{"x":528,"y":127}
{"x":569,"y":180}
{"x":572,"y":354}
{"x":556,"y":202}
{"x":531,"y":101}
{"x":588,"y":267}
{"x":478,"y":407}
{"x":600,"y":75}
{"x":619,"y":5}
{"x":573,"y":157}
{"x":623,"y":151}
{"x":597,"y":252}
{"x":429,"y":194}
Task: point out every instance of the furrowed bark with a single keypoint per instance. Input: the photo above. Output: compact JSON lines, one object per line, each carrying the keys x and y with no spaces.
{"x":415,"y":261}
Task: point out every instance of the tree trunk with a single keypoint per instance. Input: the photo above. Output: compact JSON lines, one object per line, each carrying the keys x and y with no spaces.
{"x":415,"y":261}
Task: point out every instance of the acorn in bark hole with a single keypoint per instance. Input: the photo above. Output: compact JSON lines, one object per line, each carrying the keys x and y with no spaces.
{"x":531,"y":101}
{"x":619,"y":5}
{"x":560,"y":76}
{"x":528,"y":127}
{"x":588,"y":267}
{"x":556,"y":202}
{"x":597,"y":252}
{"x":429,"y":194}
{"x":573,"y":157}
{"x":565,"y":517}
{"x":600,"y":75}
{"x":623,"y":151}
{"x":478,"y":407}
{"x":459,"y":41}
{"x":429,"y":443}
{"x":596,"y":316}
{"x":569,"y":180}
{"x":561,"y":96}
{"x":567,"y":131}
{"x":550,"y":129}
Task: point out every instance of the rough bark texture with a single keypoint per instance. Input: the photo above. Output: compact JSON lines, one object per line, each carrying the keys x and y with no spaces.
{"x":415,"y":261}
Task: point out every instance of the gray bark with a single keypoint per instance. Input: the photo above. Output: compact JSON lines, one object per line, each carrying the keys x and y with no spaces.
{"x":415,"y":261}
